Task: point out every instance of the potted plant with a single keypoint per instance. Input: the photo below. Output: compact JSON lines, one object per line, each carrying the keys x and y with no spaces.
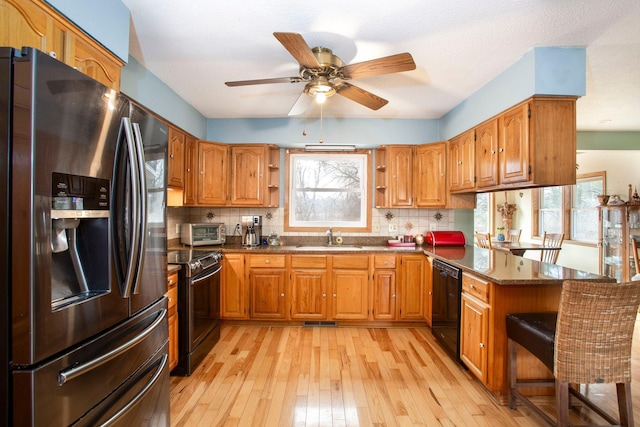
{"x":500,"y":235}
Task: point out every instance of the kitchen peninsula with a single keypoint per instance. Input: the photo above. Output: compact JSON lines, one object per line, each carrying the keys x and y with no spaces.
{"x":376,"y":285}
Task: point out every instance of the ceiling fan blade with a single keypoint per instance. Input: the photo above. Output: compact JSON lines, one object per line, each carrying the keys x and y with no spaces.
{"x":265,"y":81}
{"x":376,"y":67}
{"x":298,"y":48}
{"x":301,"y":105}
{"x":361,"y":96}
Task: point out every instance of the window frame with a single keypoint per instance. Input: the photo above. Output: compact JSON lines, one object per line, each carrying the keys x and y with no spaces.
{"x":367,"y":192}
{"x":566,"y":210}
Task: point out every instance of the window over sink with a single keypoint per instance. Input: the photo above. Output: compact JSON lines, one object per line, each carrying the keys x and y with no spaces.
{"x":328,"y":190}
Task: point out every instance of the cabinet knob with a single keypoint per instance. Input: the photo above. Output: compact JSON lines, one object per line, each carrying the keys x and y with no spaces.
{"x":393,"y":295}
{"x":201,"y":172}
{"x":430,"y":293}
{"x":500,"y":150}
{"x":493,"y":151}
{"x":188,"y":169}
{"x":385,"y":262}
{"x":324,"y":295}
{"x":472,"y":286}
{"x":266,"y":261}
{"x":481,"y":345}
{"x":335,"y":295}
{"x":282,"y":294}
{"x":171,"y":156}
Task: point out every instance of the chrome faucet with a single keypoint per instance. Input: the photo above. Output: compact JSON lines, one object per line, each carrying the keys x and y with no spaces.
{"x":330,"y":236}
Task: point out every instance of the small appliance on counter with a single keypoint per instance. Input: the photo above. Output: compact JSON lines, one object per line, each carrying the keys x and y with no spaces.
{"x":203,"y":234}
{"x":251,"y":230}
{"x":445,"y":238}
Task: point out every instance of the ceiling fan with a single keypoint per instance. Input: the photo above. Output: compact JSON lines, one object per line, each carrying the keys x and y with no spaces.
{"x":325,"y":74}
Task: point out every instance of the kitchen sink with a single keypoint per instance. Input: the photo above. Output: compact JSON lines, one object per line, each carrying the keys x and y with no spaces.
{"x":329,"y":247}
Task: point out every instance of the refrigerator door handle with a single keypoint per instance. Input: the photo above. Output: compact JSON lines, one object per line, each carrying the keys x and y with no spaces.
{"x":130,"y":211}
{"x":152,"y":381}
{"x":141,"y":193}
{"x":76,"y":370}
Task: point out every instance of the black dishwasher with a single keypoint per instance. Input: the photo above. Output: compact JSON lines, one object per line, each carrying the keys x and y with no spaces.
{"x":445,"y":311}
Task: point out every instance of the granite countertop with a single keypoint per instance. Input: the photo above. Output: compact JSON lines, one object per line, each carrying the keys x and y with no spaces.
{"x":503,"y":268}
{"x":499,"y":267}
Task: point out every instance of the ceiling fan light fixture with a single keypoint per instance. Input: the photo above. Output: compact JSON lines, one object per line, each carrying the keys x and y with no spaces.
{"x":320,"y":89}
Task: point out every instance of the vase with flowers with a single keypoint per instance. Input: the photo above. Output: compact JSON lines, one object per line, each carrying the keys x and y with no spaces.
{"x":500,"y":235}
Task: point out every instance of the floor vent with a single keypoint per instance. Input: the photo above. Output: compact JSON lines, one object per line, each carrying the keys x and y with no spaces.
{"x":327,"y":324}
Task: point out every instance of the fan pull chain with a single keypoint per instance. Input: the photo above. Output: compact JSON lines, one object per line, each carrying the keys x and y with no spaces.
{"x":321,"y":132}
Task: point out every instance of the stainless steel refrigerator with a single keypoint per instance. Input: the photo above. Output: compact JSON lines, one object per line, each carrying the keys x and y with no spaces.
{"x":82,"y":250}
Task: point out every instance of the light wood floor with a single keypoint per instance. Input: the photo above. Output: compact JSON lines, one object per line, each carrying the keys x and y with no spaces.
{"x":296,"y":376}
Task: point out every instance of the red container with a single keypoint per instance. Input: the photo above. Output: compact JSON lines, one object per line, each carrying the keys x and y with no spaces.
{"x":445,"y":238}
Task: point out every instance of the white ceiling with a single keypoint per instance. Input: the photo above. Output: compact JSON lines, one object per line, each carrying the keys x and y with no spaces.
{"x":458,"y":46}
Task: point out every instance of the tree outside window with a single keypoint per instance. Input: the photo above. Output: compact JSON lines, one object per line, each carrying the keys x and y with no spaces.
{"x":328,"y":190}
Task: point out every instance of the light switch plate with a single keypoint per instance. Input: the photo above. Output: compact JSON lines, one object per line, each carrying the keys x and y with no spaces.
{"x":178,"y":229}
{"x":376,"y":228}
{"x":393,"y":228}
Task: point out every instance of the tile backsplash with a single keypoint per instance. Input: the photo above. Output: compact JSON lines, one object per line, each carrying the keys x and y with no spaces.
{"x":408,"y":221}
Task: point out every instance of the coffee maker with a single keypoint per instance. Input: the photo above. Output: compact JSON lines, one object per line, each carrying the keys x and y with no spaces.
{"x":251,"y":230}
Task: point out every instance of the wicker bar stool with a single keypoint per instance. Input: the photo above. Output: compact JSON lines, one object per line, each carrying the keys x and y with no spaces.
{"x":588,"y":341}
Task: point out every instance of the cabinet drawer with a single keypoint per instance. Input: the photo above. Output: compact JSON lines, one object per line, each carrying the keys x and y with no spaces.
{"x":271,"y":261}
{"x":384,"y":261}
{"x":351,"y":262}
{"x":308,"y":261}
{"x":172,"y":279}
{"x":477,"y":287}
{"x":172,"y":295}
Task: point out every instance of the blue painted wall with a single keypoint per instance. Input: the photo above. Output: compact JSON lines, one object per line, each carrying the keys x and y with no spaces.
{"x":288,"y":132}
{"x":105,"y":20}
{"x":143,"y":86}
{"x":541,"y":71}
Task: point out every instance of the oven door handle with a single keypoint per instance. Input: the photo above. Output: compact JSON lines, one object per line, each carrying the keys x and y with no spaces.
{"x":199,"y":279}
{"x":80,"y":369}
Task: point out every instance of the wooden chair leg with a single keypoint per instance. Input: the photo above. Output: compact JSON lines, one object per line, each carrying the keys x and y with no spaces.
{"x":624,"y":404}
{"x":512,"y":349}
{"x":562,"y":404}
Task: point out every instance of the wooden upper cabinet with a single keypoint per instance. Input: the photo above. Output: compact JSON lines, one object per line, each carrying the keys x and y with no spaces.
{"x":190,"y":195}
{"x":462,"y":162}
{"x":513,"y":145}
{"x":487,"y":154}
{"x":26,"y":24}
{"x":213,"y":159}
{"x":176,"y":165}
{"x":248,"y":180}
{"x":94,"y":62}
{"x":400,"y":179}
{"x":531,"y":144}
{"x":35,"y":24}
{"x":430,"y":188}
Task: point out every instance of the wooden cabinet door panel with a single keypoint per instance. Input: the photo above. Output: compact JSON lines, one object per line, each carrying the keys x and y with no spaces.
{"x":430,"y":170}
{"x":350,"y":296}
{"x":247,"y":176}
{"x":401,"y":175}
{"x":267,"y":293}
{"x":513,"y":147}
{"x":384,"y":295}
{"x":474,"y":332}
{"x":212,"y":173}
{"x":175,"y":167}
{"x":487,"y":154}
{"x":190,"y":171}
{"x":308,"y":299}
{"x":411,"y":287}
{"x":233,"y":294}
{"x":95,"y":64}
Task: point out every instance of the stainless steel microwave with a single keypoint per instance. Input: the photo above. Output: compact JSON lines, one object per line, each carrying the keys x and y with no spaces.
{"x":203,"y":234}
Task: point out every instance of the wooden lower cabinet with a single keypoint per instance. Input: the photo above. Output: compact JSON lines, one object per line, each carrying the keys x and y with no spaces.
{"x":474,"y":332}
{"x":485,"y":306}
{"x":428,"y":291}
{"x":411,"y":287}
{"x":308,"y":287}
{"x":384,"y":287}
{"x":233,"y":293}
{"x":172,"y":307}
{"x":267,"y":283}
{"x":350,"y":287}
